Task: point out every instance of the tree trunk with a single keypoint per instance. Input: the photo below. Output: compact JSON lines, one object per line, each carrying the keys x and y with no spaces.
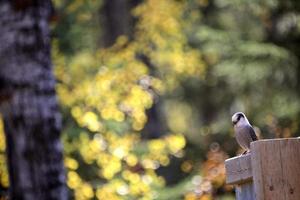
{"x":116,"y":20}
{"x":28,"y":102}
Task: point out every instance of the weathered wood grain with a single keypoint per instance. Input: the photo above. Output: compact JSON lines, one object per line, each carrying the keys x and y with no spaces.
{"x":245,"y":191}
{"x":238,"y":169}
{"x":276,"y":169}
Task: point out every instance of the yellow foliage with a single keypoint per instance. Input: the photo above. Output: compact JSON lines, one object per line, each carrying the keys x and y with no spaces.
{"x":108,"y":93}
{"x":156,"y":145}
{"x":107,"y":192}
{"x":131,"y":160}
{"x":90,"y":120}
{"x":2,"y":137}
{"x":73,"y":180}
{"x":71,"y":163}
{"x":161,"y":26}
{"x":178,"y":116}
{"x":4,"y":179}
{"x":84,"y":192}
{"x":175,"y":142}
{"x":75,"y":5}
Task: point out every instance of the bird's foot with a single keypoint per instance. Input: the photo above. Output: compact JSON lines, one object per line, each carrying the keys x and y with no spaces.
{"x":245,"y":152}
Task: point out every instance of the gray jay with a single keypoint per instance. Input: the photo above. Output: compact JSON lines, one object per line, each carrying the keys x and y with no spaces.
{"x":244,"y":133}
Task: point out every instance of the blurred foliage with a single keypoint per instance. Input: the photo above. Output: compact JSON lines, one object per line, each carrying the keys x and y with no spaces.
{"x":107,"y":94}
{"x":248,"y":69}
{"x":202,"y":61}
{"x":3,"y":171}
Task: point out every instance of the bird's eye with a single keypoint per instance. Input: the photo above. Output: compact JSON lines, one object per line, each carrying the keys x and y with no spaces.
{"x":239,"y":116}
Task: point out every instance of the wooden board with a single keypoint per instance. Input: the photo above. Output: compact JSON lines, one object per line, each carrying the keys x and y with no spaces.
{"x":245,"y":191}
{"x":238,"y":169}
{"x":276,"y":169}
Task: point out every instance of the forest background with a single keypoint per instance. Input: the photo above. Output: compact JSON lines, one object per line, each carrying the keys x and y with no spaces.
{"x":147,"y":90}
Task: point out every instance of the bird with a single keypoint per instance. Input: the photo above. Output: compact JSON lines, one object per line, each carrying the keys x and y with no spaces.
{"x":244,"y":132}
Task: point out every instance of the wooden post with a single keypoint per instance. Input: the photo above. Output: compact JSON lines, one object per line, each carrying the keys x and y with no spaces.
{"x":276,"y":169}
{"x":239,"y":173}
{"x":270,"y":172}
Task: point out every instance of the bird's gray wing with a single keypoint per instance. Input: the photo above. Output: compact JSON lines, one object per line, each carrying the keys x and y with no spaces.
{"x":252,"y":133}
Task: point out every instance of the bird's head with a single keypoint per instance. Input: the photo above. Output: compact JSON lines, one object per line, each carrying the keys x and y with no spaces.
{"x":239,"y":118}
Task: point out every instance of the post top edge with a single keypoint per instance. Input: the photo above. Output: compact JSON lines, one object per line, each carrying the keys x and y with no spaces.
{"x":275,"y":139}
{"x":238,"y":157}
{"x":265,"y":141}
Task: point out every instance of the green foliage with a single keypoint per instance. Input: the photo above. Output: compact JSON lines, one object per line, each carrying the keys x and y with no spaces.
{"x":247,"y":70}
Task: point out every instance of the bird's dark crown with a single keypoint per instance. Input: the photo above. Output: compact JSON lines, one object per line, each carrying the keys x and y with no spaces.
{"x":238,"y":115}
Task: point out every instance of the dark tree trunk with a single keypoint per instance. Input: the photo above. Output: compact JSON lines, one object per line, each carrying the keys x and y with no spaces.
{"x":116,"y":20}
{"x":156,"y":124}
{"x":28,"y":102}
